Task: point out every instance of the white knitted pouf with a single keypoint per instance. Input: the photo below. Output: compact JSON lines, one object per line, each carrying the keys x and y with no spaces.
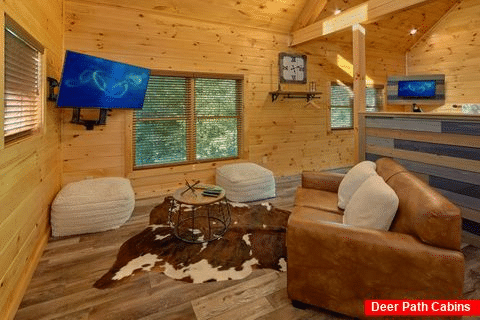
{"x":92,"y":205}
{"x":244,"y":182}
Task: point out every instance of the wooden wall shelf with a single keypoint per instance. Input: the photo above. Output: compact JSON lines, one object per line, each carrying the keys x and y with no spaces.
{"x":309,"y":95}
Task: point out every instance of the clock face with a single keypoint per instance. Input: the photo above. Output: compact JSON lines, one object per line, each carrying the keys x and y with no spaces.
{"x":293,"y":68}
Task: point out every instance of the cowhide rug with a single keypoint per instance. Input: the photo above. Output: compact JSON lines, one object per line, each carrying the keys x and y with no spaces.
{"x":254,"y":239}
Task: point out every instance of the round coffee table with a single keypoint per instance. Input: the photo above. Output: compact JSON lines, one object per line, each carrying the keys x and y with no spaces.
{"x":198,"y":218}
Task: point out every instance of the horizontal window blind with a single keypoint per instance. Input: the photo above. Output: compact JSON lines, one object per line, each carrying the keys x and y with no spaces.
{"x":341,"y":111}
{"x":374,"y":97}
{"x":217,"y":118}
{"x":186,"y":119}
{"x":160,"y":127}
{"x":23,"y":85}
{"x":341,"y":104}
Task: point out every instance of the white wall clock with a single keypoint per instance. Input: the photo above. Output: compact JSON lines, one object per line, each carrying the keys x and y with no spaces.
{"x":292,"y":68}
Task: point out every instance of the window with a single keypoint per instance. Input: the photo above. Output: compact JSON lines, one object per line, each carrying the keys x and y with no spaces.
{"x":188,"y":119}
{"x":341,"y":104}
{"x":23,"y":83}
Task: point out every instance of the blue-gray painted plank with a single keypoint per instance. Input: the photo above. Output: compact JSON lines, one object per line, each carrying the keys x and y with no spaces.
{"x":381,"y":142}
{"x":404,"y":124}
{"x":372,"y":157}
{"x":439,"y":171}
{"x":467,"y":189}
{"x":468,"y":128}
{"x":429,"y":169}
{"x":439,"y":149}
{"x":342,"y":170}
{"x":461,"y":200}
{"x":471,"y":226}
{"x":470,"y":214}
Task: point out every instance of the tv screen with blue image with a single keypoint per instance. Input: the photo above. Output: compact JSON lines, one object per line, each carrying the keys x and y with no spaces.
{"x":92,"y":82}
{"x":416,"y":88}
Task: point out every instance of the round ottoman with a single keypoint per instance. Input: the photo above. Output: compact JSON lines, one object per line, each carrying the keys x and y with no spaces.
{"x":92,"y":205}
{"x":245,"y":182}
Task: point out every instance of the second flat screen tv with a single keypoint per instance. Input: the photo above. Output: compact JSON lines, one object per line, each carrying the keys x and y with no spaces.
{"x":92,"y":82}
{"x":416,"y":88}
{"x":421,"y":89}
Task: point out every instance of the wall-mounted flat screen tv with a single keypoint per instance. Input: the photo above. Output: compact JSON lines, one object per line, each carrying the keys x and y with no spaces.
{"x":427,"y":89}
{"x":416,"y":88}
{"x":92,"y":82}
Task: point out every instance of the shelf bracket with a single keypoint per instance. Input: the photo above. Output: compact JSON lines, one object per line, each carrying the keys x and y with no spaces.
{"x":274,"y":96}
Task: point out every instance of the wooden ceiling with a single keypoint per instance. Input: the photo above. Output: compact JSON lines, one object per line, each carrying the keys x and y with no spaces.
{"x":271,"y":15}
{"x":392,"y":33}
{"x":284,"y":16}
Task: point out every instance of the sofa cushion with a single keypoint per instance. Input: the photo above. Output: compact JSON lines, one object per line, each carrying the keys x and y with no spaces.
{"x":327,"y":181}
{"x":309,"y":215}
{"x":352,"y":181}
{"x":372,"y":206}
{"x":317,"y":199}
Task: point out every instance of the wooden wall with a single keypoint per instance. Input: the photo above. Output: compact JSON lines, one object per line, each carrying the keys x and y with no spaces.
{"x":30,"y":170}
{"x":285,"y":136}
{"x":452,"y":48}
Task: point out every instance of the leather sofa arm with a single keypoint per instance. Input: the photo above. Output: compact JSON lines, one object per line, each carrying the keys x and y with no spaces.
{"x":337,"y":267}
{"x":327,"y":181}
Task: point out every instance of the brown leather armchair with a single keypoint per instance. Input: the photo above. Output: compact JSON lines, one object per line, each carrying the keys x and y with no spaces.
{"x":336,"y":266}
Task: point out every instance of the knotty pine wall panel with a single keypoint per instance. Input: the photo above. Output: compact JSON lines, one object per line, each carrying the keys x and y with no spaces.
{"x":30,"y":169}
{"x":286,"y":136}
{"x":451,"y":47}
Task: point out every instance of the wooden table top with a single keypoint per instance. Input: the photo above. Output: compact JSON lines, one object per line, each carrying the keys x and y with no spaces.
{"x":191,"y":198}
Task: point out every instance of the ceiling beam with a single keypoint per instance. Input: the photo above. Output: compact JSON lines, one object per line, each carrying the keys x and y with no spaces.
{"x":310,"y":12}
{"x":364,"y":13}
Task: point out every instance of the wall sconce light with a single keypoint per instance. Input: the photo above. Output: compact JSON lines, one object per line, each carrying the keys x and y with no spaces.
{"x":52,"y":84}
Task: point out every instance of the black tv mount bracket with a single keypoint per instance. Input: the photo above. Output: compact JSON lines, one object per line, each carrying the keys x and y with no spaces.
{"x":52,"y":84}
{"x":89,"y":124}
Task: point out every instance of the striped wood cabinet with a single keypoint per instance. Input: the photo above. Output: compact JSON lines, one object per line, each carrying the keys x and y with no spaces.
{"x":442,"y":149}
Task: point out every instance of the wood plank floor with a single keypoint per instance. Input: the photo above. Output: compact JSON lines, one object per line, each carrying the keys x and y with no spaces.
{"x":61,"y":287}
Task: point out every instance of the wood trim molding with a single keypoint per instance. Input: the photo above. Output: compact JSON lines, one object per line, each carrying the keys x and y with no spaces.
{"x":171,"y":73}
{"x":364,"y":13}
{"x":129,"y":149}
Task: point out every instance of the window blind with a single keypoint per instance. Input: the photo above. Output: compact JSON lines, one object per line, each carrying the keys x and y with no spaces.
{"x":22,"y":98}
{"x":217,"y":111}
{"x":341,"y":111}
{"x":188,"y":119}
{"x":160,"y":127}
{"x":341,"y":104}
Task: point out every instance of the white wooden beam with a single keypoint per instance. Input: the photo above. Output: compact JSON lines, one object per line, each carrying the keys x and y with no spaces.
{"x":364,"y":13}
{"x":359,"y":82}
{"x":310,"y":12}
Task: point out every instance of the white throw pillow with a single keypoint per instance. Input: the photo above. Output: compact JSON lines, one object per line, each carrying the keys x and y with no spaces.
{"x":353,"y":179}
{"x":372,"y":206}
